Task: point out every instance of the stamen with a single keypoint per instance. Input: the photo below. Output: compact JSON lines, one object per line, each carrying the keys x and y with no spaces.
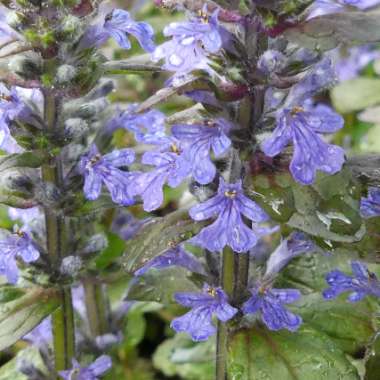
{"x":296,"y":110}
{"x":230,"y":194}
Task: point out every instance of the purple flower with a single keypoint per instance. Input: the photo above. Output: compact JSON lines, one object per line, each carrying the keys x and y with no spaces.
{"x":228,"y":206}
{"x":199,"y":139}
{"x":358,"y":57}
{"x":98,"y":169}
{"x":296,"y":244}
{"x":41,"y":334}
{"x":370,"y":206}
{"x":190,"y":45}
{"x":301,"y":123}
{"x":12,"y":107}
{"x":17,"y":245}
{"x":173,"y":257}
{"x":171,"y":168}
{"x":118,"y":24}
{"x":148,"y":127}
{"x":92,"y":372}
{"x":204,"y":305}
{"x":270,"y":303}
{"x":362,"y":283}
{"x":325,"y":7}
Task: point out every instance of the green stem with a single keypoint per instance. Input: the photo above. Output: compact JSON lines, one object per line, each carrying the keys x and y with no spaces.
{"x":240,"y":281}
{"x":227,"y":283}
{"x":63,"y":317}
{"x":96,"y":307}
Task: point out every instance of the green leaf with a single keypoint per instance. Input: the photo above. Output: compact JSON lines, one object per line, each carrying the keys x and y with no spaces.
{"x":10,"y":293}
{"x":115,"y":249}
{"x":259,"y":354}
{"x":22,"y":160}
{"x":356,"y":94}
{"x":158,"y":236}
{"x":182,"y":357}
{"x":328,"y":31}
{"x":135,"y":323}
{"x":372,"y":366}
{"x":160,"y":285}
{"x":19,"y":316}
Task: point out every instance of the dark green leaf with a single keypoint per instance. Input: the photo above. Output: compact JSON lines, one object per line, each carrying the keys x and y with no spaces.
{"x":115,"y":249}
{"x":160,"y":285}
{"x":158,"y":236}
{"x":372,"y":371}
{"x":259,"y":354}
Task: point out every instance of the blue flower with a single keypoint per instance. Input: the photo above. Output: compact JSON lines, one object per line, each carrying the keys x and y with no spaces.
{"x":171,"y":168}
{"x":148,"y":127}
{"x":173,"y":257}
{"x":118,"y":24}
{"x":17,"y":245}
{"x":370,"y":206}
{"x":296,"y":244}
{"x":12,"y":107}
{"x":227,"y":206}
{"x":301,"y":123}
{"x":199,"y":139}
{"x":191,"y":43}
{"x":361,"y":284}
{"x":98,"y":169}
{"x":204,"y":305}
{"x":92,"y":372}
{"x":270,"y":303}
{"x":357,"y":58}
{"x":41,"y":335}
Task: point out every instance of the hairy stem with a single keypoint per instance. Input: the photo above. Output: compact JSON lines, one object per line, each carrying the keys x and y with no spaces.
{"x":63,"y":317}
{"x":96,"y":307}
{"x":227,"y":283}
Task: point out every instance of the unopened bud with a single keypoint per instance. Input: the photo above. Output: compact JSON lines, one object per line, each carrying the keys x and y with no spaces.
{"x":71,"y":265}
{"x":75,"y":128}
{"x":26,"y":66}
{"x":65,"y":74}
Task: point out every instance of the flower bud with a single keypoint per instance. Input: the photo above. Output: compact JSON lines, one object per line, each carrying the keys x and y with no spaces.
{"x":75,"y":129}
{"x":71,"y":265}
{"x":65,"y":74}
{"x":71,"y":26}
{"x":26,"y":66}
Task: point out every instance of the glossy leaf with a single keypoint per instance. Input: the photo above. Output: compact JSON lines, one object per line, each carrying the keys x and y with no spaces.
{"x":160,"y":285}
{"x":158,"y":236}
{"x":259,"y":354}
